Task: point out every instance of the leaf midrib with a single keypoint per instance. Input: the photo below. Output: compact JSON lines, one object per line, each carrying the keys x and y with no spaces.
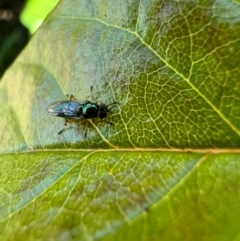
{"x":163,"y":150}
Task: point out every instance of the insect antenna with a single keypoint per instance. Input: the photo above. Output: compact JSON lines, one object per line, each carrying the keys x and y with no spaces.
{"x":114,"y":103}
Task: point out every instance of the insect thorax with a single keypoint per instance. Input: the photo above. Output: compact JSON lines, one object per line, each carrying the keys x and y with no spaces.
{"x":90,"y":110}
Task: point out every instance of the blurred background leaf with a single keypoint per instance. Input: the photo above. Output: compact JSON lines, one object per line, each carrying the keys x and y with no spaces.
{"x":35,"y":12}
{"x":14,"y":33}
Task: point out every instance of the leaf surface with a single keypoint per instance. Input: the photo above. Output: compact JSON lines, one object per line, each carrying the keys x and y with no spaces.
{"x":169,"y":166}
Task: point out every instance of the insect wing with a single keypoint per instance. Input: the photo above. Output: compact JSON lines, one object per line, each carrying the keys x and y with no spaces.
{"x":67,"y":109}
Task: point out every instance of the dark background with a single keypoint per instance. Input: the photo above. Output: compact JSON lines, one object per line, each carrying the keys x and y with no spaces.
{"x":13,"y":35}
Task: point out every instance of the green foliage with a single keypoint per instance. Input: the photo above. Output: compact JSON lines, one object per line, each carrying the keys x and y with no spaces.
{"x":35,"y":12}
{"x":168,"y":169}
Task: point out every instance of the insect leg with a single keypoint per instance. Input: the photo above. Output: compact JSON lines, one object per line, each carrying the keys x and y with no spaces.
{"x":64,"y":128}
{"x":91,"y":90}
{"x":90,"y":93}
{"x":71,"y":97}
{"x":110,"y":123}
{"x":84,"y":130}
{"x":85,"y":134}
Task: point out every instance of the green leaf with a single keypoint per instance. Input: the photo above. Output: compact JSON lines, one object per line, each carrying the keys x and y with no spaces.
{"x":35,"y":12}
{"x":169,"y":166}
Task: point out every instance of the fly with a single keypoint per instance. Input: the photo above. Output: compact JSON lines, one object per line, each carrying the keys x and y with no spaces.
{"x":75,"y":110}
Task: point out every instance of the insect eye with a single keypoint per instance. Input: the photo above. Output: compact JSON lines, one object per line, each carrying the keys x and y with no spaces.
{"x":102,"y":114}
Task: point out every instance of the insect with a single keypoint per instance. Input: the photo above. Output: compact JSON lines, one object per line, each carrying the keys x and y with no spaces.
{"x":74,"y":110}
